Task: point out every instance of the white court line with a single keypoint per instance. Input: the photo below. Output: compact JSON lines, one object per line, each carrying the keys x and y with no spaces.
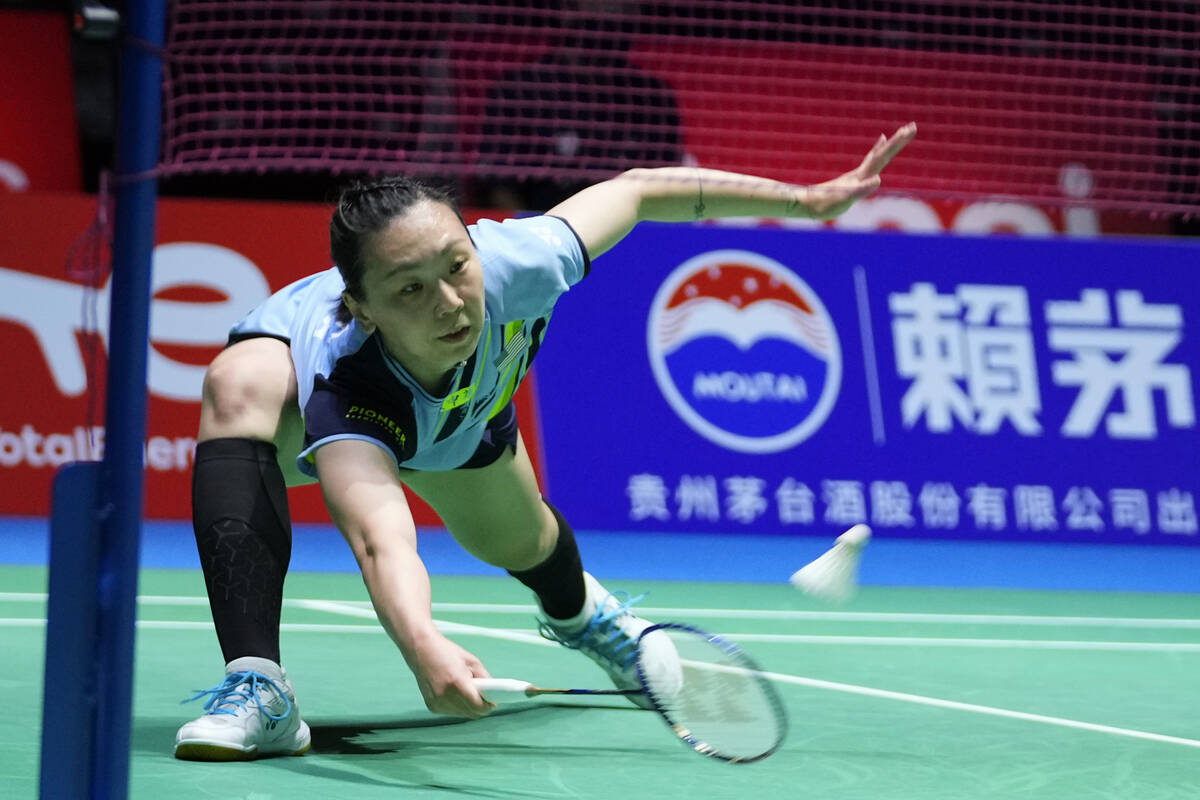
{"x":336,"y":607}
{"x":723,"y":613}
{"x":954,"y":705}
{"x":355,"y":610}
{"x":529,"y":638}
{"x":814,"y":616}
{"x":924,"y":641}
{"x":310,"y":627}
{"x":156,"y":624}
{"x":862,"y":616}
{"x":517,"y":634}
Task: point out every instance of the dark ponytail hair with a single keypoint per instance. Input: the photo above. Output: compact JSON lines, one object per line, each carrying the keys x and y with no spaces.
{"x":363,"y":210}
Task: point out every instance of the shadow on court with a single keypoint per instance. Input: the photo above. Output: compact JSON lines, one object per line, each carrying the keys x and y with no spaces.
{"x":388,"y":737}
{"x":434,"y":754}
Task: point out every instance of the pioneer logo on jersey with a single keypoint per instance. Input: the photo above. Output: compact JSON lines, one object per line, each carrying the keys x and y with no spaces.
{"x":744,"y":351}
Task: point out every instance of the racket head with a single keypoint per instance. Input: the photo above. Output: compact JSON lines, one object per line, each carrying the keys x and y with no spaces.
{"x":715,"y":698}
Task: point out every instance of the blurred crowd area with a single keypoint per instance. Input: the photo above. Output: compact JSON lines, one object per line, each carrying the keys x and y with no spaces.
{"x":542,"y":112}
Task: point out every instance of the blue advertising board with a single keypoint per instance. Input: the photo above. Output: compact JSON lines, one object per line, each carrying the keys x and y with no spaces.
{"x":708,"y":379}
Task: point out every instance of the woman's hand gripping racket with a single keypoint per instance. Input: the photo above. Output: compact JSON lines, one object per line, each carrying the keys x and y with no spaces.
{"x":714,"y":698}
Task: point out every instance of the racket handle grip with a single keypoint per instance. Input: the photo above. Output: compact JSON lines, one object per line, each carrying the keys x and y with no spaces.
{"x":502,"y":690}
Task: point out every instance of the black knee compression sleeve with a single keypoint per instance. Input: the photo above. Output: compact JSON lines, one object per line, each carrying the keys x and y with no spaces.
{"x":558,"y":581}
{"x":244,"y":535}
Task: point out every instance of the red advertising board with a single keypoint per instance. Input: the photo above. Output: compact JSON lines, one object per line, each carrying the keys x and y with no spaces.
{"x":213,"y":261}
{"x":39,"y":143}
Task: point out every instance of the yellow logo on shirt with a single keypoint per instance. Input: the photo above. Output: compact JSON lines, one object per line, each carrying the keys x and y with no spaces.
{"x":462,"y":396}
{"x":371,"y":415}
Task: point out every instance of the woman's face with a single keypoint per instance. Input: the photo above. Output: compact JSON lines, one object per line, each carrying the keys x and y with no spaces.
{"x":423,"y":292}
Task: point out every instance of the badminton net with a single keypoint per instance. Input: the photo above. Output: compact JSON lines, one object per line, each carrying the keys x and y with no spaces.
{"x":1048,"y":102}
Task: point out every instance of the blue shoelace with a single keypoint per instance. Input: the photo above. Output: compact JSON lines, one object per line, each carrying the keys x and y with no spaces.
{"x":229,"y":698}
{"x":603,"y":626}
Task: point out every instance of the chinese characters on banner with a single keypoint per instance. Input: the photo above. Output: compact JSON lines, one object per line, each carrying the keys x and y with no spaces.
{"x":984,"y":388}
{"x":745,"y":500}
{"x":971,"y":358}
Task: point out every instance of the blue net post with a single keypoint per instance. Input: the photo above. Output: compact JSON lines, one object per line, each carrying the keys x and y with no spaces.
{"x":112,"y":517}
{"x":72,"y":614}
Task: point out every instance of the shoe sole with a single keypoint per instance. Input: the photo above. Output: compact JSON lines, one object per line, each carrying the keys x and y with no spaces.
{"x":211,"y":752}
{"x":207,"y":751}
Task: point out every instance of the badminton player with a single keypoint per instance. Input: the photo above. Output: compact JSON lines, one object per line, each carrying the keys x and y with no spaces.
{"x":397,"y":368}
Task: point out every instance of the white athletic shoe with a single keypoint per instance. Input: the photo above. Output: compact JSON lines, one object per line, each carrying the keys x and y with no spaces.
{"x":610,"y":637}
{"x":251,"y":714}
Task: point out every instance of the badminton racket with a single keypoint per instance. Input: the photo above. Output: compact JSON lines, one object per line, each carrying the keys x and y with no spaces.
{"x":714,"y":697}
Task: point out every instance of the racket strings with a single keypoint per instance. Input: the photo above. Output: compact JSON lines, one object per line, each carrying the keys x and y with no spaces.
{"x":717,"y":700}
{"x":711,"y":696}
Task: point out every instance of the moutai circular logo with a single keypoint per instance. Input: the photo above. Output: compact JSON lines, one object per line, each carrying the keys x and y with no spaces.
{"x":744,"y":351}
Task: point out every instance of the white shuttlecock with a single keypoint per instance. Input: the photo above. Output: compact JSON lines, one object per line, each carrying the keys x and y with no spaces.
{"x":833,"y":577}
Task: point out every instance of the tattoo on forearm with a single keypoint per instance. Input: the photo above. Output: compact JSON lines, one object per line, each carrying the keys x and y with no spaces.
{"x":794,"y":205}
{"x":796,"y":199}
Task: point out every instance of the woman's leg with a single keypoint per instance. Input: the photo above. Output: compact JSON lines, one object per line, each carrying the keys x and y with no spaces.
{"x":499,"y":516}
{"x":244,"y":537}
{"x":239,"y":494}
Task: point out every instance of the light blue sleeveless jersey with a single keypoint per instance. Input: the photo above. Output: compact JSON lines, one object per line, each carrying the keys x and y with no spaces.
{"x":352,"y":388}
